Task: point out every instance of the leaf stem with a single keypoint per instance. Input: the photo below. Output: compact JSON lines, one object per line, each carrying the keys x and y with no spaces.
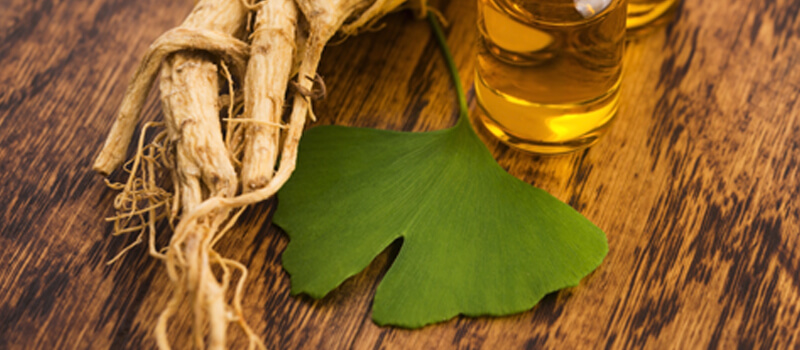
{"x":451,"y":65}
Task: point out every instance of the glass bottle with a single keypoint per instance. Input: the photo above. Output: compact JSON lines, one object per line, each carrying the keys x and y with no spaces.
{"x":549,"y":71}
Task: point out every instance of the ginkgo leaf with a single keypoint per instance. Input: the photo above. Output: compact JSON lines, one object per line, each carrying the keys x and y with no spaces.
{"x":475,"y":239}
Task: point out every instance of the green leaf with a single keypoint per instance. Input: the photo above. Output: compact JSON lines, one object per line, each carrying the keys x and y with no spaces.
{"x":475,"y":240}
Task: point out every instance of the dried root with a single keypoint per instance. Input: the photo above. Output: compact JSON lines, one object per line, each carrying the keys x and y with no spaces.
{"x":226,"y":139}
{"x":268,"y":73}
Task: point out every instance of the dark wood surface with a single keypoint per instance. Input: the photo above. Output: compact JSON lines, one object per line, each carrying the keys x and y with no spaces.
{"x":696,"y":186}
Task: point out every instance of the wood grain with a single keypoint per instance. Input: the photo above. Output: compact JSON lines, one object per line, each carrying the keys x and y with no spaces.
{"x":695,"y":186}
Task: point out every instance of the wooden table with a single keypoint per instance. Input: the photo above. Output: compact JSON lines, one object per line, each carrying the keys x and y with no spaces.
{"x":695,"y":186}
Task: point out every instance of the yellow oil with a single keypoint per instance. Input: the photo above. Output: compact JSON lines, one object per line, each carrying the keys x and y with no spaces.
{"x":548,"y":71}
{"x":644,"y":12}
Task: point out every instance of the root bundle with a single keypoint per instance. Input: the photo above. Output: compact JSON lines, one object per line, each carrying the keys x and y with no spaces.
{"x":236,"y":80}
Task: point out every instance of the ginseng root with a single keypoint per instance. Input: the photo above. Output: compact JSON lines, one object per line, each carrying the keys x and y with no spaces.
{"x":227,"y":141}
